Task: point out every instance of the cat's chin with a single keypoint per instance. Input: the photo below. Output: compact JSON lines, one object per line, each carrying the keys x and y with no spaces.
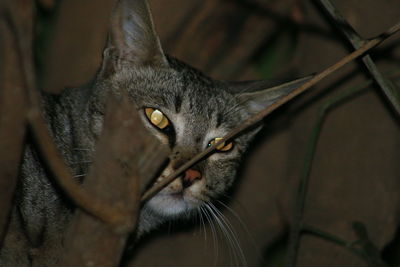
{"x":172,"y":204}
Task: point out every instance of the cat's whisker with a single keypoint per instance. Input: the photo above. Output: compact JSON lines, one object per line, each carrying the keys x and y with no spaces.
{"x":230,"y":234}
{"x":229,"y":237}
{"x":213,"y":232}
{"x":244,"y":210}
{"x":243,"y":225}
{"x":236,"y":216}
{"x":202,"y":224}
{"x":224,"y":233}
{"x":234,"y":235}
{"x":236,"y":201}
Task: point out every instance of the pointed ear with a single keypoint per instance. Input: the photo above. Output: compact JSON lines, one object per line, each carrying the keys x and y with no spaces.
{"x":132,"y":36}
{"x":255,"y":97}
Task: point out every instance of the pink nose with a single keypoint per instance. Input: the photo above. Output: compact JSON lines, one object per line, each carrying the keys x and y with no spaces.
{"x":191,"y":176}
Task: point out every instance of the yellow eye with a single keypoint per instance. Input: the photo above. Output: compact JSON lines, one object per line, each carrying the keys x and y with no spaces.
{"x":156,"y":117}
{"x":221,"y":147}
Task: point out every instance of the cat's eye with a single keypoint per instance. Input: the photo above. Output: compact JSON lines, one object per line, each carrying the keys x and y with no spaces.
{"x":221,"y":147}
{"x":157,"y":118}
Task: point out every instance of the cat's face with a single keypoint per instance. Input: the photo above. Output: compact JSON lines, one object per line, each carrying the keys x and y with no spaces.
{"x":187,"y":111}
{"x":183,"y":108}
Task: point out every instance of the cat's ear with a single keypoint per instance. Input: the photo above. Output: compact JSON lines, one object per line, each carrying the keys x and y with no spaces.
{"x":258,"y":95}
{"x":132,"y":37}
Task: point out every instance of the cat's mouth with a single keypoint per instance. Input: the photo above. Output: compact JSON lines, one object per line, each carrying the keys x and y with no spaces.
{"x":170,"y":204}
{"x":176,"y":199}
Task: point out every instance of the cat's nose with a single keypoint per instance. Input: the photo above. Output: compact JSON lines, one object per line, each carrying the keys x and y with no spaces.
{"x":190,"y":177}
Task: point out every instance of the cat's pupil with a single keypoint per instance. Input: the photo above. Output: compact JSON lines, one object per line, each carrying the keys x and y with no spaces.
{"x":221,"y":147}
{"x":157,"y":118}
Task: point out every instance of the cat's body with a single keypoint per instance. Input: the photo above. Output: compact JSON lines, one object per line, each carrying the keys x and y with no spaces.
{"x":195,"y":108}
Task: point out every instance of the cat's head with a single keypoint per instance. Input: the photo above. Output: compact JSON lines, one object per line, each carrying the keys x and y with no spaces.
{"x":182,"y":107}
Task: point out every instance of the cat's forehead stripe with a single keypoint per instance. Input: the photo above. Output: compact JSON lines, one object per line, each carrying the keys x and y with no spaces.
{"x":178,"y":103}
{"x":219,"y":119}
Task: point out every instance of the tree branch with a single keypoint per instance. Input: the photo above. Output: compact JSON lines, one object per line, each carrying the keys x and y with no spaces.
{"x":389,"y":89}
{"x":13,"y":109}
{"x":113,"y":178}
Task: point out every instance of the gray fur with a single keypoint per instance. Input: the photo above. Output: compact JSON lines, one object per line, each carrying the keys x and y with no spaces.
{"x":199,"y":108}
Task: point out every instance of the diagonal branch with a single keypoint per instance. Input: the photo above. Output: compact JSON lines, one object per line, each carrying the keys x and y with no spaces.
{"x":389,"y":89}
{"x":262,"y":114}
{"x":92,"y":205}
{"x":113,"y":178}
{"x":12,"y":119}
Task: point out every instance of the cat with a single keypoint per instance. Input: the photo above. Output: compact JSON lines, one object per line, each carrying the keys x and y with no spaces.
{"x":181,"y":106}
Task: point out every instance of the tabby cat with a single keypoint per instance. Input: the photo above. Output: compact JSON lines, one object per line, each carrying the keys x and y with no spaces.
{"x":182,"y":107}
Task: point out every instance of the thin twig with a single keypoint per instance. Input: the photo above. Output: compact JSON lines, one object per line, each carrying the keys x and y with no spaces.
{"x":298,"y":226}
{"x":294,"y":238}
{"x":332,"y":238}
{"x":371,"y":253}
{"x":262,"y":114}
{"x":372,"y":258}
{"x":341,"y":22}
{"x":389,"y":89}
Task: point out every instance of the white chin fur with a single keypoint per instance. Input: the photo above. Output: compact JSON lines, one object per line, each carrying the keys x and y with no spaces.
{"x":169,"y":205}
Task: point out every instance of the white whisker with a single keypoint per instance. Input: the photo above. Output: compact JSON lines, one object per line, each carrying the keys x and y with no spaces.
{"x":230,"y":234}
{"x":243,"y":225}
{"x":213,"y":232}
{"x":224,"y":233}
{"x":230,"y":227}
{"x":202,"y":224}
{"x":236,"y":216}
